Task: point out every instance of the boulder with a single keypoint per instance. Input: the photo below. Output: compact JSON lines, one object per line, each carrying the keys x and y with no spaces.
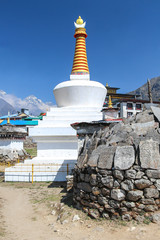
{"x":151,"y":193}
{"x":124,"y":157}
{"x":117,"y":194}
{"x":118,"y":174}
{"x":148,"y":201}
{"x":142,"y":183}
{"x":102,"y":200}
{"x":155,"y":218}
{"x":131,"y":174}
{"x":134,"y":195}
{"x":157,"y":184}
{"x":96,"y":191}
{"x":105,"y":191}
{"x":150,"y":208}
{"x":149,"y":154}
{"x":107,"y":181}
{"x":129,"y":204}
{"x":127,"y":185}
{"x":84,"y":186}
{"x":126,"y":217}
{"x":114,"y":204}
{"x":93,"y":179}
{"x":94,"y":213}
{"x":139,"y":175}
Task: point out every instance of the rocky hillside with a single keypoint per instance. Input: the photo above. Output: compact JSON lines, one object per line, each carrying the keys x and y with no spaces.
{"x":155,"y":88}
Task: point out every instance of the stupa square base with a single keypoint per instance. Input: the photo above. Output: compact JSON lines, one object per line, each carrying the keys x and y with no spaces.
{"x":40,"y":172}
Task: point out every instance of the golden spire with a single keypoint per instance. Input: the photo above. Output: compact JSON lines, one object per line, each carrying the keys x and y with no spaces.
{"x":80,"y":63}
{"x":110,"y":102}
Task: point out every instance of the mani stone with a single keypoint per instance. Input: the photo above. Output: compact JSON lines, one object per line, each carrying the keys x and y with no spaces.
{"x":153,"y":173}
{"x":93,"y":160}
{"x":151,"y":193}
{"x":142,"y":183}
{"x":124,"y":157}
{"x":106,"y":158}
{"x":134,"y":195}
{"x":117,"y":194}
{"x":149,"y":154}
{"x":142,"y":128}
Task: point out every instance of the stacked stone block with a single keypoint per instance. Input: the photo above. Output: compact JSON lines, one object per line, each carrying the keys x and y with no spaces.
{"x":118,"y":170}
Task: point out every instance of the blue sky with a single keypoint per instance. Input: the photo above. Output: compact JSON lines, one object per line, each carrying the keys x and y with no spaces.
{"x":37,"y":43}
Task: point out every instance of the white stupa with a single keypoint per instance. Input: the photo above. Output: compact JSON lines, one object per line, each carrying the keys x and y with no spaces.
{"x":78,"y":100}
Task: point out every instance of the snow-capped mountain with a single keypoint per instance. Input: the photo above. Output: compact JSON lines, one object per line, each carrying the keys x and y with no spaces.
{"x":35,"y":105}
{"x":5,"y":107}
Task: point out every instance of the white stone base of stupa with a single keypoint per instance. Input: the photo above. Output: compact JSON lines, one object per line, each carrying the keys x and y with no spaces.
{"x":57,"y":145}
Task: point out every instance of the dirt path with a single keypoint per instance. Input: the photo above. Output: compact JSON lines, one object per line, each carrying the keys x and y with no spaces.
{"x":25,"y":214}
{"x":20,"y":220}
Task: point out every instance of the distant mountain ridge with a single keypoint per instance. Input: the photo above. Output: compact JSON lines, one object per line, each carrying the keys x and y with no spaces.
{"x":13,"y":104}
{"x":155,"y":89}
{"x":5,"y":107}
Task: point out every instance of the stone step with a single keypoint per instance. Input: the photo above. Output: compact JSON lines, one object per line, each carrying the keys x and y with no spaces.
{"x":61,"y":122}
{"x":52,"y":131}
{"x":74,"y":109}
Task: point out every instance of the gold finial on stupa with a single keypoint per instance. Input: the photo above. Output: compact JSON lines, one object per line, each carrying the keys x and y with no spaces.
{"x":110,"y":102}
{"x":79,"y":20}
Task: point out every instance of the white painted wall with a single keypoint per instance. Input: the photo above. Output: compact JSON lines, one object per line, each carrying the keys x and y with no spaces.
{"x":57,"y":150}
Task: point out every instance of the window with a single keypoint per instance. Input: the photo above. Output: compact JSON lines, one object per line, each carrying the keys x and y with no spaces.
{"x":129,"y":105}
{"x":129,"y":114}
{"x":138,"y":106}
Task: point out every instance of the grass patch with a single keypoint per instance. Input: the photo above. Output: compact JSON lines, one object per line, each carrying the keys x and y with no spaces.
{"x":147,"y":221}
{"x":32,"y":151}
{"x":47,"y":199}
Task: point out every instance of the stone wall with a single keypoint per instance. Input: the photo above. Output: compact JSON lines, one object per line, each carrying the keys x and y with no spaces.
{"x":118,"y":170}
{"x":12,"y":155}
